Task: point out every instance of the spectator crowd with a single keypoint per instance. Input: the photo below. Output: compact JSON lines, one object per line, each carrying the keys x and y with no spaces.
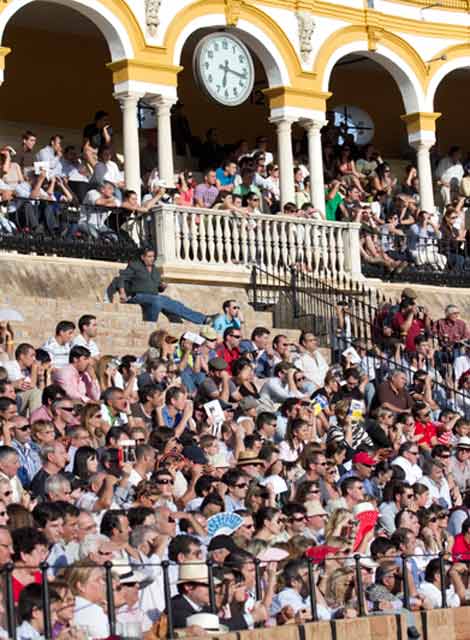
{"x":251,"y":450}
{"x":62,"y":191}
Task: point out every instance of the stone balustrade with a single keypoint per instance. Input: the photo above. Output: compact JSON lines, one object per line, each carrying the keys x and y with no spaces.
{"x":223,"y":242}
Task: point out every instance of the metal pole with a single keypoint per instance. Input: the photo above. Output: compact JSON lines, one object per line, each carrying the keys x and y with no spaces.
{"x":406,"y":587}
{"x":167,"y":592}
{"x":46,"y":604}
{"x":210,"y":575}
{"x":110,"y":598}
{"x":442,"y":571}
{"x":11,"y":616}
{"x":313,"y":591}
{"x":360,"y":586}
{"x":258,"y":588}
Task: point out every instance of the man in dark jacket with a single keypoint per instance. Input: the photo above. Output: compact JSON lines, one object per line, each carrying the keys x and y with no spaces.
{"x":193,"y":593}
{"x":139,"y":283}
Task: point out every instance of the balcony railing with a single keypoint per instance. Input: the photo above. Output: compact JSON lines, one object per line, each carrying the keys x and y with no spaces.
{"x":222,"y":240}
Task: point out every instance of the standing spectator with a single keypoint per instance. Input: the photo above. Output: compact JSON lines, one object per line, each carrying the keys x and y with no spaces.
{"x":25,"y":156}
{"x":449,"y":173}
{"x":99,"y":132}
{"x":206,"y":193}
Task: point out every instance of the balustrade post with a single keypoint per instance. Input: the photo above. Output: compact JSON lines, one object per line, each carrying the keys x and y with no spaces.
{"x":352,"y":251}
{"x":165,"y":242}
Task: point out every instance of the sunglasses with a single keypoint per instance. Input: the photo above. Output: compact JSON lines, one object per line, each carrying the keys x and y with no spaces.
{"x":298,"y":519}
{"x":3,"y":514}
{"x":237,"y":307}
{"x":249,"y":526}
{"x":237,"y":337}
{"x":69,"y":409}
{"x":165,"y":482}
{"x":26,"y":427}
{"x":242,"y":485}
{"x":7,"y":493}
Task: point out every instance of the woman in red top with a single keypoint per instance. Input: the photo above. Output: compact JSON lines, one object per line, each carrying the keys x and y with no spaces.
{"x":424,"y":427}
{"x":30,"y":549}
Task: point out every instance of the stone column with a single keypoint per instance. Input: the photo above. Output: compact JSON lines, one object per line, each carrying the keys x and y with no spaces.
{"x":128,"y":102}
{"x":423,"y":160}
{"x":162,"y":107}
{"x":315,"y":162}
{"x":285,"y":158}
{"x":421,"y":127}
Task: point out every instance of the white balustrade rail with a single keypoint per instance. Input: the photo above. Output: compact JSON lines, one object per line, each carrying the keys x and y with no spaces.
{"x":213,"y":238}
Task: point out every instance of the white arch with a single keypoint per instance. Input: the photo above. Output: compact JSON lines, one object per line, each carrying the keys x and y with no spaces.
{"x":408,"y":84}
{"x":116,"y":36}
{"x":269,"y":55}
{"x":438,"y":77}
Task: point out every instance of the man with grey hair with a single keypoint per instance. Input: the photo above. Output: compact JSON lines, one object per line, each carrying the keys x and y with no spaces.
{"x":451,"y":331}
{"x":57,"y":487}
{"x":392,"y":393}
{"x":54,"y":458}
{"x":9,"y":465}
{"x":96,"y":547}
{"x":152,"y":549}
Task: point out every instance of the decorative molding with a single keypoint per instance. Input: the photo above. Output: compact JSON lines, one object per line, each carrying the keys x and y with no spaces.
{"x":306,"y":26}
{"x":232,"y":10}
{"x":152,"y":16}
{"x":374,"y":35}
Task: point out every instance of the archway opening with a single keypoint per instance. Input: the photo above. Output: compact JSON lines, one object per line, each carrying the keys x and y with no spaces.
{"x":359,"y":81}
{"x":56,"y":75}
{"x":449,"y":129}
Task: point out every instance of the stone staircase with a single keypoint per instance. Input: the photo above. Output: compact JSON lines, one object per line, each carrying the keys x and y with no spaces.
{"x":48,"y":289}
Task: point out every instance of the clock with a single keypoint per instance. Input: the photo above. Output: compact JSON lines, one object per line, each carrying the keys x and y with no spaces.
{"x":224,"y":69}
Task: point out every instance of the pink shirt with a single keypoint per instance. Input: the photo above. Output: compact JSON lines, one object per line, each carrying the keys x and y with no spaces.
{"x":78,"y":386}
{"x":40,"y":414}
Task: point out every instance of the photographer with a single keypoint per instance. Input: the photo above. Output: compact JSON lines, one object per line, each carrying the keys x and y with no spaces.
{"x":410,"y":322}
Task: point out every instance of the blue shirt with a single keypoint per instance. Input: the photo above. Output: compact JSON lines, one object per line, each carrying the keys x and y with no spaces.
{"x":29,"y":459}
{"x":221,"y":323}
{"x":223,"y":179}
{"x":170,"y":422}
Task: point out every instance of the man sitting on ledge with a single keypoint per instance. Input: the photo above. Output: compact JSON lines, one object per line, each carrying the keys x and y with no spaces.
{"x":139,"y":283}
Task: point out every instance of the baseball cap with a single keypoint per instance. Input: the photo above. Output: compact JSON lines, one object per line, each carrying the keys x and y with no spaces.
{"x":218,"y":364}
{"x":364,"y":458}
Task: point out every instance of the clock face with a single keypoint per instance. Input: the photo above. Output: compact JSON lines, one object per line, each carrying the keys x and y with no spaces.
{"x":224,"y":68}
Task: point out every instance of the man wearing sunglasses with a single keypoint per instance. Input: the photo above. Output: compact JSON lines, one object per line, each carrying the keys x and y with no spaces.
{"x":231,"y":318}
{"x":230,"y":350}
{"x":27,"y":450}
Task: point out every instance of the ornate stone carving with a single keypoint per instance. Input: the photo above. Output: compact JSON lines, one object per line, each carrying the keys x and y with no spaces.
{"x":232,"y":12}
{"x":152,"y":16}
{"x":306,"y":24}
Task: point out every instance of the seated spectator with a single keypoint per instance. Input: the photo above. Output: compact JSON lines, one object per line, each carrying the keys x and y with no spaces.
{"x":88,"y":328}
{"x":106,"y":170}
{"x":52,"y":154}
{"x":59,"y":346}
{"x":78,"y":378}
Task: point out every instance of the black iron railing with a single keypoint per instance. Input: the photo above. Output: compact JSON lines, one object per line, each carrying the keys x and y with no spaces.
{"x":45,"y":227}
{"x":345,"y":313}
{"x":354,"y":561}
{"x":416,"y":258}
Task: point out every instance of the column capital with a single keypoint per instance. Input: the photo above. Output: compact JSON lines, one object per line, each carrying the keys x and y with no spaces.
{"x":421,"y":144}
{"x":128,"y":99}
{"x":420,"y":121}
{"x":162,"y":103}
{"x":314,"y":124}
{"x":282,"y":121}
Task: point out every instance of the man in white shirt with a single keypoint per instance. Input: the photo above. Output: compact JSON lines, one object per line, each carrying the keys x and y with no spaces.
{"x":407,"y":459}
{"x":311,"y":362}
{"x":144,"y":465}
{"x":431,"y":587}
{"x":88,"y":327}
{"x":30,"y":613}
{"x":449,"y":173}
{"x":104,"y":197}
{"x":58,"y":347}
{"x":9,"y":465}
{"x":462,"y":363}
{"x":281,"y":386}
{"x":438,"y":486}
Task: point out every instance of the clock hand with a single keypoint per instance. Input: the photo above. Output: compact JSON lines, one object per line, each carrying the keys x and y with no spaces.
{"x":236,"y":73}
{"x":225,"y":69}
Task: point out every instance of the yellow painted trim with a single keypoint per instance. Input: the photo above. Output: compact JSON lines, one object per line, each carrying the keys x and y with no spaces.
{"x":288,"y":97}
{"x":420,"y":121}
{"x":144,"y":71}
{"x":371,"y":35}
{"x":245,"y":11}
{"x":4,"y":51}
{"x":452,"y":53}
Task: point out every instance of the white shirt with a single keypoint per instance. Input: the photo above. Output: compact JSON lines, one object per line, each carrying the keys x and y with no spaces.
{"x":27,"y":632}
{"x":290,"y":597}
{"x":107,"y":172}
{"x":91,"y":617}
{"x":314,"y":366}
{"x":461,"y":364}
{"x":135,"y":478}
{"x":59,"y":352}
{"x":437,"y":492}
{"x":413,"y":473}
{"x":433,"y":594}
{"x":13,"y":370}
{"x":79,"y":341}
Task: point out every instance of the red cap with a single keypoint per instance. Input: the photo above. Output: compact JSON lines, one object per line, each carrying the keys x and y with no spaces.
{"x":364,"y":458}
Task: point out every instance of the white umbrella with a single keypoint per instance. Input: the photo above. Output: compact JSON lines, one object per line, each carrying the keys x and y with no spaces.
{"x":11,"y":315}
